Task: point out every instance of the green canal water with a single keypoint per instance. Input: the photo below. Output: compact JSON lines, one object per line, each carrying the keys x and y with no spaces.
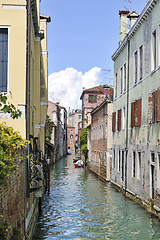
{"x":81,"y":206}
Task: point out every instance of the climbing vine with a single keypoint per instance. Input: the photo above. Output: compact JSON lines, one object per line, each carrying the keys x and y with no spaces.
{"x":7,"y":107}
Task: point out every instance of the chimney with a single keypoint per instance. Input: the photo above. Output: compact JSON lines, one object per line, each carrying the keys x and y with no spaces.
{"x":123,"y":24}
{"x":133,"y":17}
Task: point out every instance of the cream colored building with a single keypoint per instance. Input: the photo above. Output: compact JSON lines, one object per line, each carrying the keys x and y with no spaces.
{"x":24,"y":71}
{"x":24,"y":78}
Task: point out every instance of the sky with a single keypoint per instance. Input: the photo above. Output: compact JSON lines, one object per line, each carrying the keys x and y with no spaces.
{"x":82,"y":37}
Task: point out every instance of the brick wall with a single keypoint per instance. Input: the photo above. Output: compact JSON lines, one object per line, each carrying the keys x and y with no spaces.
{"x":12,"y":200}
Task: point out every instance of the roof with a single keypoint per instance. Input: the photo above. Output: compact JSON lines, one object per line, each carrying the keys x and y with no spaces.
{"x":47,"y":18}
{"x":143,"y":16}
{"x":97,"y":89}
{"x":101,"y":105}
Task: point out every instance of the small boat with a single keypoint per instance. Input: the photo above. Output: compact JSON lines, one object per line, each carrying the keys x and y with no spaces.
{"x":79,"y":163}
{"x":76,"y":159}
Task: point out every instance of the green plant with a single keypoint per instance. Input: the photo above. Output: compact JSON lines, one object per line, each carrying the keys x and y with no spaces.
{"x":3,"y":228}
{"x":83,"y":142}
{"x":7,"y":107}
{"x":10,"y":143}
{"x":48,"y":129}
{"x":84,"y":150}
{"x":83,"y":137}
{"x":16,"y":234}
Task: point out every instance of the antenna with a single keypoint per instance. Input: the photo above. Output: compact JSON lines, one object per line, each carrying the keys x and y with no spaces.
{"x":105,"y":73}
{"x":130,"y":4}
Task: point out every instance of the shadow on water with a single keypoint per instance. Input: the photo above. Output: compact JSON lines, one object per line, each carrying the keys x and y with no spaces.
{"x":81,"y":206}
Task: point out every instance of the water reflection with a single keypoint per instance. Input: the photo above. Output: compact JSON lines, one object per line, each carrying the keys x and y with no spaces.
{"x":80,"y":206}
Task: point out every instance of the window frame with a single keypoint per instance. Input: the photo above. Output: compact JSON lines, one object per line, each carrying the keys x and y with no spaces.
{"x":8,"y":64}
{"x":141,"y":62}
{"x":135,"y":67}
{"x":154,"y":50}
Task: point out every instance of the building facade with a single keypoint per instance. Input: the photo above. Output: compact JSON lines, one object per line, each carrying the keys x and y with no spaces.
{"x":71,"y":139}
{"x":24,"y":79}
{"x":63,"y":132}
{"x":91,"y":98}
{"x":100,"y":140}
{"x":74,"y":118}
{"x":136,"y":115}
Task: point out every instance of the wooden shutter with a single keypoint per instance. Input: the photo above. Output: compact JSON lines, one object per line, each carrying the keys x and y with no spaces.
{"x":154,"y":107}
{"x":158,"y":105}
{"x":119,"y":119}
{"x":138,"y":112}
{"x":132,"y":114}
{"x":150,"y":108}
{"x":113,"y":121}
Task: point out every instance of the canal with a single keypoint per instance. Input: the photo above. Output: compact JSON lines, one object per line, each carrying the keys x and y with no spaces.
{"x":81,"y":206}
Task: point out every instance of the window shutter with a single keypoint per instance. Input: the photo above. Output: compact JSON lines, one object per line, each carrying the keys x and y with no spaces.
{"x":158,"y":105}
{"x":132,"y":114}
{"x":119,"y":119}
{"x":113,"y":121}
{"x":138,"y":112}
{"x":150,"y":108}
{"x":154,"y":107}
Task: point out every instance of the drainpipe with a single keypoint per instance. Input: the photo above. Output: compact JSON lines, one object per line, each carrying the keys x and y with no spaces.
{"x":127,"y":120}
{"x":27,"y":109}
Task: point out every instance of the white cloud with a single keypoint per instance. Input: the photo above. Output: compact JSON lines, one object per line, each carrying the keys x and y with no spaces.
{"x":67,"y":85}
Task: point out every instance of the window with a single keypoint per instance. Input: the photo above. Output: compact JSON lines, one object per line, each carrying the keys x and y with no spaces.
{"x":125,"y":77}
{"x":141,"y":63}
{"x":92,"y":99}
{"x":106,"y":129}
{"x":154,"y":107}
{"x":136,"y":112}
{"x":71,"y":136}
{"x":119,"y":119}
{"x":3,"y":59}
{"x":114,"y":158}
{"x":122,"y":165}
{"x":121,"y":80}
{"x":153,"y":52}
{"x":135,"y":67}
{"x":113,"y":121}
{"x":158,"y":170}
{"x":124,"y":118}
{"x":139,"y":166}
{"x":134,"y":165}
{"x":152,"y":156}
{"x":79,"y":116}
{"x":116,"y":85}
{"x":119,"y":161}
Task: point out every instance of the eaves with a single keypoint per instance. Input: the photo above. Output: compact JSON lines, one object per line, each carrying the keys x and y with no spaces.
{"x":143,"y":16}
{"x":99,"y":106}
{"x":35,"y":16}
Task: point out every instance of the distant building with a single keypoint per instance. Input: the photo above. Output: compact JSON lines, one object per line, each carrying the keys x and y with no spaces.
{"x":71,"y":139}
{"x":74,"y":117}
{"x":91,"y":98}
{"x":58,"y":115}
{"x":100,"y":139}
{"x":136,"y":113}
{"x":63,"y":132}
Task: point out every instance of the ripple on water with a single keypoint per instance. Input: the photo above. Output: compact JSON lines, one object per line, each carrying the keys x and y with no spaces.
{"x":80,"y":206}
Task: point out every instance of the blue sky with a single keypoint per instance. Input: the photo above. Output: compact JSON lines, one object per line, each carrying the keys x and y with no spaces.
{"x":83,"y":35}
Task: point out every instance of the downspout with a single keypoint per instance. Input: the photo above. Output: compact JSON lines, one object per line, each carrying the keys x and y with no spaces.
{"x":127,"y":120}
{"x":28,"y":36}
